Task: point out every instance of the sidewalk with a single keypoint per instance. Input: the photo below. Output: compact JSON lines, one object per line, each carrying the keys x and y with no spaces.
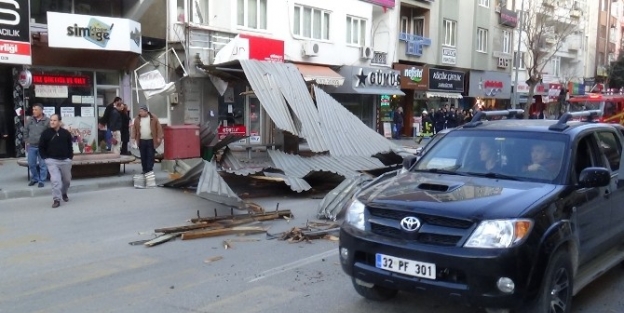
{"x":14,"y":181}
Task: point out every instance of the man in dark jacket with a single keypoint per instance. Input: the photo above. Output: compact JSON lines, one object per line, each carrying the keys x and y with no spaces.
{"x":56,"y":148}
{"x":114,"y":125}
{"x":105,"y":119}
{"x":397,"y":119}
{"x":440,"y":120}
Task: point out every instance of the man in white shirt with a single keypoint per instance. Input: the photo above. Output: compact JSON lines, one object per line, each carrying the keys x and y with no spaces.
{"x":148,"y":134}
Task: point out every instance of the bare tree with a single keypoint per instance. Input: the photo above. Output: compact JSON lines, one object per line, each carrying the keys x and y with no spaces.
{"x":546,"y":25}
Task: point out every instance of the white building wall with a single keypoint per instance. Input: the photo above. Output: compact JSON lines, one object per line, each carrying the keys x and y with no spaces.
{"x":380,"y":28}
{"x":591,"y":37}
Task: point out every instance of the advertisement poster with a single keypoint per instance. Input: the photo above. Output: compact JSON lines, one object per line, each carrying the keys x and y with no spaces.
{"x":87,"y":112}
{"x":49,"y":111}
{"x":67,"y":112}
{"x":84,"y":131}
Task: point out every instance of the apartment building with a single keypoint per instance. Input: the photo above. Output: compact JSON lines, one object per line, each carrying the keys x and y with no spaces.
{"x":564,"y":53}
{"x":455,"y":52}
{"x":604,"y":37}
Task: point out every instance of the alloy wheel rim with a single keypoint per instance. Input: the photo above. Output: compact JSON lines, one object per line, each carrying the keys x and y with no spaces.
{"x":559,"y":292}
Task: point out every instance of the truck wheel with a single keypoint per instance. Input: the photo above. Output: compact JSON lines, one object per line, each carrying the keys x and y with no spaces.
{"x":555,"y":295}
{"x":375,"y":293}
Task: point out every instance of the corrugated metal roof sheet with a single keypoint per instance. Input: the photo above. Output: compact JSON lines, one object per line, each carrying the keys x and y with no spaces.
{"x":345,"y":132}
{"x":300,"y":167}
{"x":212,"y":187}
{"x":332,"y":204}
{"x":266,"y":86}
{"x":297,"y":95}
{"x":296,"y":184}
{"x":189,"y":178}
{"x":232,"y":163}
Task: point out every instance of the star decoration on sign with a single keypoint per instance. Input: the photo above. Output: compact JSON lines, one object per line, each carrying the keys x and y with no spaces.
{"x":361,"y":78}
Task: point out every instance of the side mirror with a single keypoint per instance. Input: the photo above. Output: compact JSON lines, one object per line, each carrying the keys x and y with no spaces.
{"x":594,"y":177}
{"x":409,"y":161}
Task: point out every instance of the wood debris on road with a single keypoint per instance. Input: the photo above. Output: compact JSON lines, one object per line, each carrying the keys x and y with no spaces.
{"x":312,"y":230}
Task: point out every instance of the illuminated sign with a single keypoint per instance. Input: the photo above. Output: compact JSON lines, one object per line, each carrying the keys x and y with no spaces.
{"x":65,"y":80}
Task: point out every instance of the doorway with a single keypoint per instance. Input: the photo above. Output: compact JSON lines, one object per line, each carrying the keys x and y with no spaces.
{"x":7,"y":114}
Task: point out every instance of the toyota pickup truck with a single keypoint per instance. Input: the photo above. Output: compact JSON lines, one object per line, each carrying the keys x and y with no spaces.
{"x":510,"y":215}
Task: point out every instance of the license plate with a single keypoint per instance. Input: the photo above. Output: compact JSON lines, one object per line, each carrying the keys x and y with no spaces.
{"x":404,"y":266}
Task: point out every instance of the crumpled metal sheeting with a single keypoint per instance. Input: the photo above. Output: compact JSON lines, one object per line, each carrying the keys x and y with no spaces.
{"x":232,"y":163}
{"x":346,"y":134}
{"x":213,"y":187}
{"x":188,"y":179}
{"x":332,"y":204}
{"x":297,"y":95}
{"x":265,"y":85}
{"x":295,"y":184}
{"x":300,"y":167}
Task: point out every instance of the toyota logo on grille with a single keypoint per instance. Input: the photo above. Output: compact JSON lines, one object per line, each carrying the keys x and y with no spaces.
{"x":410,"y":223}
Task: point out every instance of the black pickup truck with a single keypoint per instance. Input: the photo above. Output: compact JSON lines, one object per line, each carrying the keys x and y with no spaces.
{"x":507,"y":215}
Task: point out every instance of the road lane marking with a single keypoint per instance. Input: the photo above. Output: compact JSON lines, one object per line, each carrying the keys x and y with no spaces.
{"x":287,"y":267}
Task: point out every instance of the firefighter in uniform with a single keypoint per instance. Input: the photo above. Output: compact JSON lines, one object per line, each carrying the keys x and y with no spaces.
{"x":427,"y":126}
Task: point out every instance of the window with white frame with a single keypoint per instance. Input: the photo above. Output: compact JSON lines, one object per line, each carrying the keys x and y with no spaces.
{"x":519,"y":59}
{"x":556,"y":66}
{"x":418,"y":26}
{"x":482,"y":40}
{"x":311,"y":23}
{"x":404,"y":24}
{"x":484,"y":3}
{"x":199,"y":11}
{"x":450,"y":33}
{"x":506,"y":41}
{"x":356,"y":31}
{"x":252,"y":14}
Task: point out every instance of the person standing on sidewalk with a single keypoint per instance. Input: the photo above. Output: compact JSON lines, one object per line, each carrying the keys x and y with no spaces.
{"x":105,"y":120}
{"x":32,"y":132}
{"x":397,"y":119}
{"x":56,"y":149}
{"x":114,"y":125}
{"x":147,"y":133}
{"x":125,"y":129}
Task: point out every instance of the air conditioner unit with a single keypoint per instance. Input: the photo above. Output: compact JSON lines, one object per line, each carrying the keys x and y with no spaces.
{"x":366,"y":53}
{"x":503,"y":63}
{"x":310,"y":49}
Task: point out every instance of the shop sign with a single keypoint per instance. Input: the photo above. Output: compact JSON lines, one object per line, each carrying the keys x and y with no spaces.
{"x":540,"y":90}
{"x":61,"y":80}
{"x":15,"y":32}
{"x":75,"y":31}
{"x":383,"y":3}
{"x":449,"y":56}
{"x":413,"y":76}
{"x":508,"y":18}
{"x":490,"y":84}
{"x":25,"y":79}
{"x":446,"y":80}
{"x":46,"y":91}
{"x":247,"y":47}
{"x":238,"y":130}
{"x":376,"y":78}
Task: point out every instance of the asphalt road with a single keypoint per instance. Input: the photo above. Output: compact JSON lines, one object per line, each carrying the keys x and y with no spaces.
{"x":77,"y":259}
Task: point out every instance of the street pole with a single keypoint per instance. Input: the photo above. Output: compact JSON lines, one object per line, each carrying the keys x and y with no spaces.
{"x":514,"y":101}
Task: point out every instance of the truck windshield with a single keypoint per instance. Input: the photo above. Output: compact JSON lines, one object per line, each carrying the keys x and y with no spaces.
{"x":585,"y":105}
{"x":510,"y":155}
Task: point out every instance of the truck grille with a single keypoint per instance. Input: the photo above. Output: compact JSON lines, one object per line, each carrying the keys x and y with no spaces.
{"x":440,"y":239}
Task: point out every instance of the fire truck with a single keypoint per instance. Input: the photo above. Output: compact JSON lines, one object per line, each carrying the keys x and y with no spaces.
{"x":610,"y":104}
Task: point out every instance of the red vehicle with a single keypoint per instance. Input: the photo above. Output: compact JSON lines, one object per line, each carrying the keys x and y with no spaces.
{"x":611,"y":106}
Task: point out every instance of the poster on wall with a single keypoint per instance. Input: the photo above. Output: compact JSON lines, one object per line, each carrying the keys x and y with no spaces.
{"x":84,"y":131}
{"x":51,"y":91}
{"x":87,"y":112}
{"x":49,"y":111}
{"x":67,"y":112}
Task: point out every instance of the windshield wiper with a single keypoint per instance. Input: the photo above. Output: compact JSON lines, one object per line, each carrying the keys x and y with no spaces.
{"x":441,"y":171}
{"x":493,"y":175}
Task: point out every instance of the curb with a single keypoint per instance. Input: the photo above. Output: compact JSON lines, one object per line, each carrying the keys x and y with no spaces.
{"x":37,"y":192}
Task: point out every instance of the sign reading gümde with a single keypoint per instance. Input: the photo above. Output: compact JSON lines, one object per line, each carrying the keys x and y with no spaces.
{"x":93,"y":32}
{"x":15,"y":32}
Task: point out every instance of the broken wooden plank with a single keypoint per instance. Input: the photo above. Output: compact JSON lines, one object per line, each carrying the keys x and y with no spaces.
{"x":161,"y":239}
{"x":220,"y":232}
{"x":280,"y":213}
{"x":175,"y":229}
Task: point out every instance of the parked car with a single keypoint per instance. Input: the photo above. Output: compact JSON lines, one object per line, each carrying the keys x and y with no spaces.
{"x":504,"y":215}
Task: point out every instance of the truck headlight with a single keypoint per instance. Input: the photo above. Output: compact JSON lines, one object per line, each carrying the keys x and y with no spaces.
{"x":494,"y":234}
{"x":355,"y":214}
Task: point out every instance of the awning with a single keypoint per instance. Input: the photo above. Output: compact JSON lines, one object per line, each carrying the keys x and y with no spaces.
{"x":449,"y":95}
{"x":378,"y":91}
{"x":322,"y":75}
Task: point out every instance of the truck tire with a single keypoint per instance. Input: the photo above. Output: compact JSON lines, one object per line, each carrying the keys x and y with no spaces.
{"x":375,"y":293}
{"x":555,"y":294}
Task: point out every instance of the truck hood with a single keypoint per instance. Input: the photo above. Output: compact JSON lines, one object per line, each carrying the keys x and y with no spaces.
{"x":454,"y":195}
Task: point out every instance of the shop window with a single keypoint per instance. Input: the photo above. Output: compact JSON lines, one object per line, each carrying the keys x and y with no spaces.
{"x":39,"y":8}
{"x":107,"y":78}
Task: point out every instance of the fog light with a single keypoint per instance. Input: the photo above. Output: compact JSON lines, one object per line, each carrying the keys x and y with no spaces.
{"x":344,"y":253}
{"x":506,"y":285}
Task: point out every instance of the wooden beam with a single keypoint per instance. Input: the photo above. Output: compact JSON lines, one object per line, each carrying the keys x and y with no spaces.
{"x":221,"y":232}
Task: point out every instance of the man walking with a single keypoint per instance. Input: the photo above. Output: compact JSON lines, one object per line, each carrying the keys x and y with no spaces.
{"x":397,"y":119}
{"x":56,"y":149}
{"x":32,"y":132}
{"x":148,"y":134}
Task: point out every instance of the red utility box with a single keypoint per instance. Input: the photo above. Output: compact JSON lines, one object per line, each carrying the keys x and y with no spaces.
{"x":181,"y":142}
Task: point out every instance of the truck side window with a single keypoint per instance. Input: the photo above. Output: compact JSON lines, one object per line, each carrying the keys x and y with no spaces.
{"x":611,"y":148}
{"x":584,"y":157}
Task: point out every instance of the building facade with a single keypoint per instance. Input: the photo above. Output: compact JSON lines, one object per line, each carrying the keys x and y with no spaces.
{"x":564,"y":50}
